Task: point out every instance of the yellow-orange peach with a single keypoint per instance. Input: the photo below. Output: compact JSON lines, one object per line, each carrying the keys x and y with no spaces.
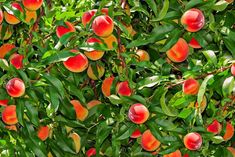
{"x":232,"y":69}
{"x":100,"y":72}
{"x":17,"y":60}
{"x":77,"y":63}
{"x":177,"y":153}
{"x":106,"y":86}
{"x":30,"y":16}
{"x":136,"y":134}
{"x":9,"y":115}
{"x":123,"y":89}
{"x":130,"y":29}
{"x":178,"y":52}
{"x":103,"y":26}
{"x":43,"y":132}
{"x":5,"y":48}
{"x":7,"y":34}
{"x":10,"y":17}
{"x":91,"y":152}
{"x":61,"y":30}
{"x":15,"y":87}
{"x":149,"y":142}
{"x":202,"y":105}
{"x":229,"y":132}
{"x":194,"y":44}
{"x":138,"y":113}
{"x":193,"y":141}
{"x":191,"y":86}
{"x":215,"y":127}
{"x":94,"y":54}
{"x":232,"y":150}
{"x":32,"y":4}
{"x":193,"y":20}
{"x":1,"y":16}
{"x":142,"y":55}
{"x":93,"y":103}
{"x":11,"y":127}
{"x":4,"y":102}
{"x":76,"y":140}
{"x":81,"y":112}
{"x":110,"y":41}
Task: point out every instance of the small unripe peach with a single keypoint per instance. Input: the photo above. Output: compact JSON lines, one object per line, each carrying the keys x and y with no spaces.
{"x":193,"y":20}
{"x":94,"y":54}
{"x":81,"y":112}
{"x":142,"y":55}
{"x":193,"y":141}
{"x":91,"y":152}
{"x":136,"y":134}
{"x":110,"y":41}
{"x":106,"y":86}
{"x":9,"y":115}
{"x":149,"y":142}
{"x":194,"y":44}
{"x":100,"y":71}
{"x":103,"y":26}
{"x":191,"y":86}
{"x":5,"y":48}
{"x":43,"y":132}
{"x":229,"y":132}
{"x":138,"y":113}
{"x":15,"y":87}
{"x":215,"y":127}
{"x":32,"y":4}
{"x":123,"y":89}
{"x":93,"y":103}
{"x":233,"y":69}
{"x":177,"y":153}
{"x":17,"y":60}
{"x":61,"y":30}
{"x":10,"y":17}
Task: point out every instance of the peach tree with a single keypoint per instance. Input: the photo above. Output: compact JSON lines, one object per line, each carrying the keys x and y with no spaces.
{"x":117,"y":78}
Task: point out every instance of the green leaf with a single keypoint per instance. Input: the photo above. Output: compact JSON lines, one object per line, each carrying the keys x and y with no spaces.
{"x":217,"y":139}
{"x":32,"y":113}
{"x":210,"y":56}
{"x":20,"y":111}
{"x":149,"y":82}
{"x":152,"y":5}
{"x":185,"y":113}
{"x":165,"y":108}
{"x":228,"y":86}
{"x":173,"y":38}
{"x":164,"y":10}
{"x":114,"y":99}
{"x":220,"y":5}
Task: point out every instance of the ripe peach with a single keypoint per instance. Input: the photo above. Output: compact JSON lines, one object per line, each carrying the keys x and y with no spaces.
{"x":61,"y":30}
{"x":93,"y":103}
{"x":94,"y":54}
{"x":43,"y":132}
{"x":9,"y":115}
{"x":138,"y":113}
{"x":123,"y":89}
{"x":142,"y":55}
{"x":11,"y":127}
{"x":193,"y":141}
{"x":4,"y":102}
{"x":91,"y":152}
{"x":149,"y":142}
{"x":15,"y":87}
{"x":215,"y":127}
{"x":32,"y":4}
{"x":110,"y":41}
{"x":229,"y":132}
{"x":100,"y":71}
{"x":179,"y":52}
{"x":7,"y":34}
{"x":103,"y":26}
{"x":232,"y":150}
{"x":1,"y":16}
{"x":17,"y":60}
{"x":77,"y":141}
{"x":106,"y":86}
{"x":193,"y":20}
{"x":77,"y":63}
{"x":191,"y":86}
{"x":194,"y":44}
{"x":177,"y":153}
{"x":87,"y":16}
{"x":136,"y":134}
{"x":30,"y":16}
{"x":5,"y":48}
{"x":81,"y":112}
{"x":10,"y":17}
{"x":186,"y":155}
{"x":232,"y":69}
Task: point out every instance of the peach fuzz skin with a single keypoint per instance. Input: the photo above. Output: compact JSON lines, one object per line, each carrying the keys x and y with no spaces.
{"x":138,"y":113}
{"x":124,"y":89}
{"x":9,"y":116}
{"x":32,"y":4}
{"x":142,"y":55}
{"x":215,"y":127}
{"x":232,"y":150}
{"x":193,"y":141}
{"x":93,"y":103}
{"x":43,"y":132}
{"x":194,"y":44}
{"x":136,"y":134}
{"x":229,"y":132}
{"x":233,"y":69}
{"x":178,"y":52}
{"x":193,"y":20}
{"x":109,"y":41}
{"x":94,"y":54}
{"x":61,"y":30}
{"x":149,"y":142}
{"x":87,"y":16}
{"x":17,"y":60}
{"x":5,"y":48}
{"x":15,"y":87}
{"x":103,"y":26}
{"x":177,"y":153}
{"x":106,"y":86}
{"x":81,"y":112}
{"x":10,"y":17}
{"x":77,"y":63}
{"x":100,"y":71}
{"x":191,"y":86}
{"x":91,"y":152}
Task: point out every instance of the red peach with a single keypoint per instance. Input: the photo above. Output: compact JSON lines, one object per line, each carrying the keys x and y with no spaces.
{"x":61,"y":30}
{"x":93,"y":103}
{"x":194,"y":44}
{"x":136,"y":134}
{"x":15,"y":87}
{"x":110,"y":41}
{"x":91,"y":152}
{"x":149,"y":142}
{"x":7,"y":34}
{"x":232,"y":150}
{"x":32,"y":4}
{"x":138,"y":113}
{"x":17,"y":60}
{"x":215,"y":127}
{"x":1,"y":16}
{"x":94,"y":54}
{"x":193,"y":141}
{"x":178,"y":52}
{"x":43,"y":132}
{"x":81,"y":112}
{"x":100,"y":71}
{"x":5,"y":48}
{"x":233,"y":69}
{"x":10,"y":17}
{"x":193,"y":20}
{"x":142,"y":55}
{"x":229,"y":132}
{"x":186,"y":155}
{"x":123,"y":89}
{"x":4,"y":102}
{"x":103,"y":26}
{"x":106,"y":86}
{"x":9,"y":115}
{"x":191,"y":86}
{"x":177,"y":153}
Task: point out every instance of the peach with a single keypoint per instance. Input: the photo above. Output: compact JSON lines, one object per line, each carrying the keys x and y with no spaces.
{"x":138,"y":113}
{"x":193,"y":141}
{"x":94,"y":54}
{"x":9,"y":115}
{"x":4,"y":102}
{"x":100,"y":71}
{"x":77,"y":141}
{"x":232,"y":69}
{"x":61,"y":30}
{"x":136,"y":134}
{"x":11,"y":127}
{"x":15,"y":87}
{"x":149,"y":142}
{"x":30,"y":16}
{"x":191,"y":86}
{"x":130,"y":29}
{"x":5,"y":48}
{"x":110,"y":41}
{"x":202,"y":105}
{"x":1,"y":16}
{"x":123,"y":89}
{"x":177,"y":153}
{"x":81,"y":112}
{"x":232,"y":150}
{"x":229,"y":132}
{"x":215,"y":127}
{"x":178,"y":52}
{"x":193,"y":20}
{"x":194,"y":44}
{"x":10,"y":17}
{"x":229,"y":1}
{"x":186,"y":155}
{"x":91,"y":152}
{"x":142,"y":55}
{"x":87,"y":16}
{"x":77,"y":63}
{"x":32,"y":4}
{"x":106,"y":86}
{"x":93,"y":103}
{"x":43,"y":132}
{"x":103,"y":26}
{"x":7,"y":34}
{"x":17,"y":60}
